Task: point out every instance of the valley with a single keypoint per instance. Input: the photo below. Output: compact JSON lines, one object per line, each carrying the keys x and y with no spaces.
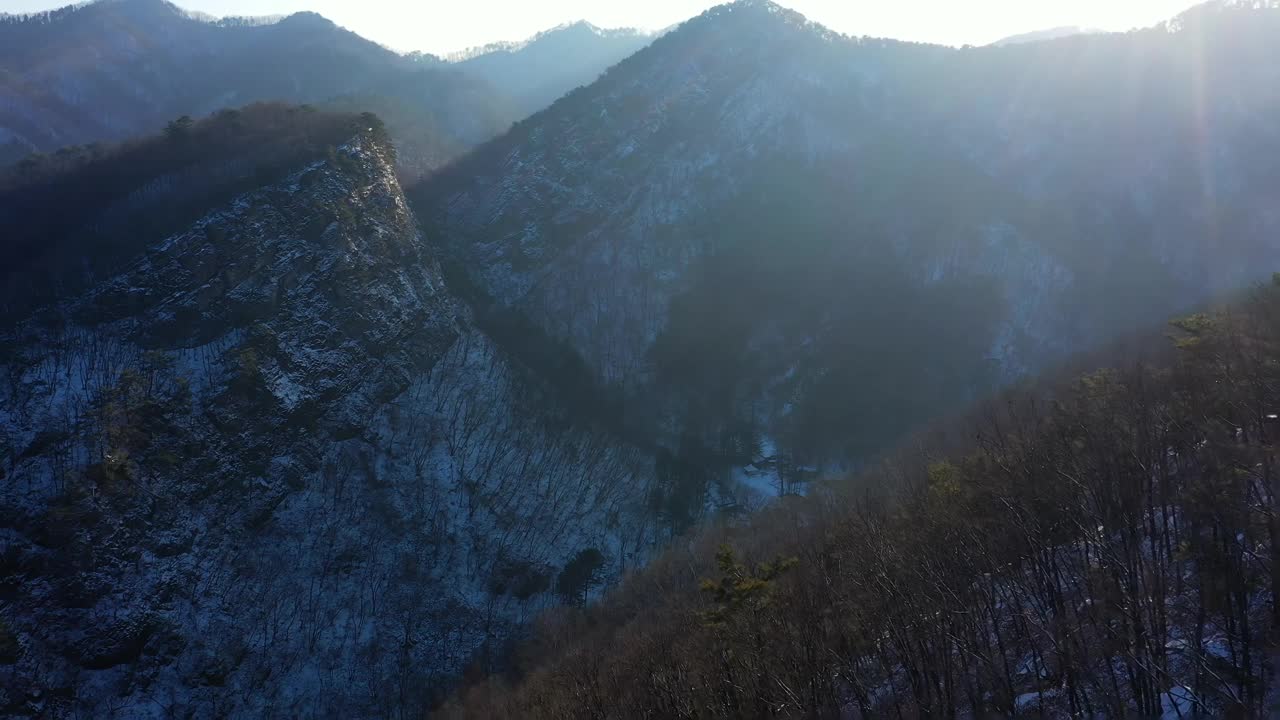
{"x":340,"y":382}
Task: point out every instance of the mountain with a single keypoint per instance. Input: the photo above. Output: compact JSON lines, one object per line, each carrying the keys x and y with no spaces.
{"x":257,"y":460}
{"x":776,"y":241}
{"x":128,"y":195}
{"x":278,"y":438}
{"x":540,"y":70}
{"x":1047,"y":34}
{"x":114,"y":69}
{"x":1096,"y":546}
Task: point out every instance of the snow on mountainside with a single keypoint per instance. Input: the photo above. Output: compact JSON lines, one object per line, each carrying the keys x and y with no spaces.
{"x":1010,"y":204}
{"x":594,"y":180}
{"x":273,"y":469}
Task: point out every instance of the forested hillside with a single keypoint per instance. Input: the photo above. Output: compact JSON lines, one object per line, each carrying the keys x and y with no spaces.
{"x":1105,"y":547}
{"x":256,"y":460}
{"x":770,"y":240}
{"x":540,"y":70}
{"x":73,"y":217}
{"x":113,"y":69}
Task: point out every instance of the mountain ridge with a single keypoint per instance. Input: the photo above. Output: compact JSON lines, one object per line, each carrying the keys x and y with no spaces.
{"x":617,"y":195}
{"x":1054,"y":33}
{"x":541,"y":69}
{"x":512,"y":46}
{"x":105,"y":72}
{"x":285,"y":394}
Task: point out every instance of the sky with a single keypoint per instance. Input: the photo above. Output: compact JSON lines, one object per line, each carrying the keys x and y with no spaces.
{"x":444,"y":26}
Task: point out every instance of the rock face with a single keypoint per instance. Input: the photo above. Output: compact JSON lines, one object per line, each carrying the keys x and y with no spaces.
{"x":273,"y":469}
{"x":813,"y":221}
{"x":115,"y":69}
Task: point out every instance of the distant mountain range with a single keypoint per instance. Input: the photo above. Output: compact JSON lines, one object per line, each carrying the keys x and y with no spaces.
{"x":756,"y":227}
{"x":1048,"y":34}
{"x":113,"y":69}
{"x":536,"y":72}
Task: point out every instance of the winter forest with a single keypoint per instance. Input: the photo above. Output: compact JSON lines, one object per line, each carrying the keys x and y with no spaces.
{"x":736,"y":367}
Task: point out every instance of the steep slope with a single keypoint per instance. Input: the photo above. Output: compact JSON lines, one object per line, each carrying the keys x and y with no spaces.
{"x":120,"y":68}
{"x":269,"y":467}
{"x":1103,"y":546}
{"x":539,"y":71}
{"x":758,"y":229}
{"x":76,"y":217}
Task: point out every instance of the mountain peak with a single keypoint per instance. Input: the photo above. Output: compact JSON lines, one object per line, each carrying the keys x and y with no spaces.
{"x":154,"y":8}
{"x":149,"y":4}
{"x":753,"y":6}
{"x":1213,"y":8}
{"x":579,"y":25}
{"x":537,"y":71}
{"x":576,"y":29}
{"x":766,"y":5}
{"x":308,"y":18}
{"x":763,"y":14}
{"x":1054,"y":33}
{"x":140,"y":8}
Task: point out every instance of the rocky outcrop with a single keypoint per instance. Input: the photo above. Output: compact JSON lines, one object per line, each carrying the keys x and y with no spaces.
{"x":272,"y":470}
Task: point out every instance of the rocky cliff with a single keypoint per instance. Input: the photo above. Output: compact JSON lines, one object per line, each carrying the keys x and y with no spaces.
{"x":272,"y":469}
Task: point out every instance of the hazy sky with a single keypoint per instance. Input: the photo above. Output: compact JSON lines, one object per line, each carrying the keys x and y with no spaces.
{"x":440,"y":26}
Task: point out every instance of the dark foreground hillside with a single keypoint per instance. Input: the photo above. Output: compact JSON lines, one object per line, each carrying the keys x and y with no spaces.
{"x":256,"y":460}
{"x":1108,"y":549}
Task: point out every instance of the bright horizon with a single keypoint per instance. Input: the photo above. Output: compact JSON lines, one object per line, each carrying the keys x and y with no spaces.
{"x":442,"y":28}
